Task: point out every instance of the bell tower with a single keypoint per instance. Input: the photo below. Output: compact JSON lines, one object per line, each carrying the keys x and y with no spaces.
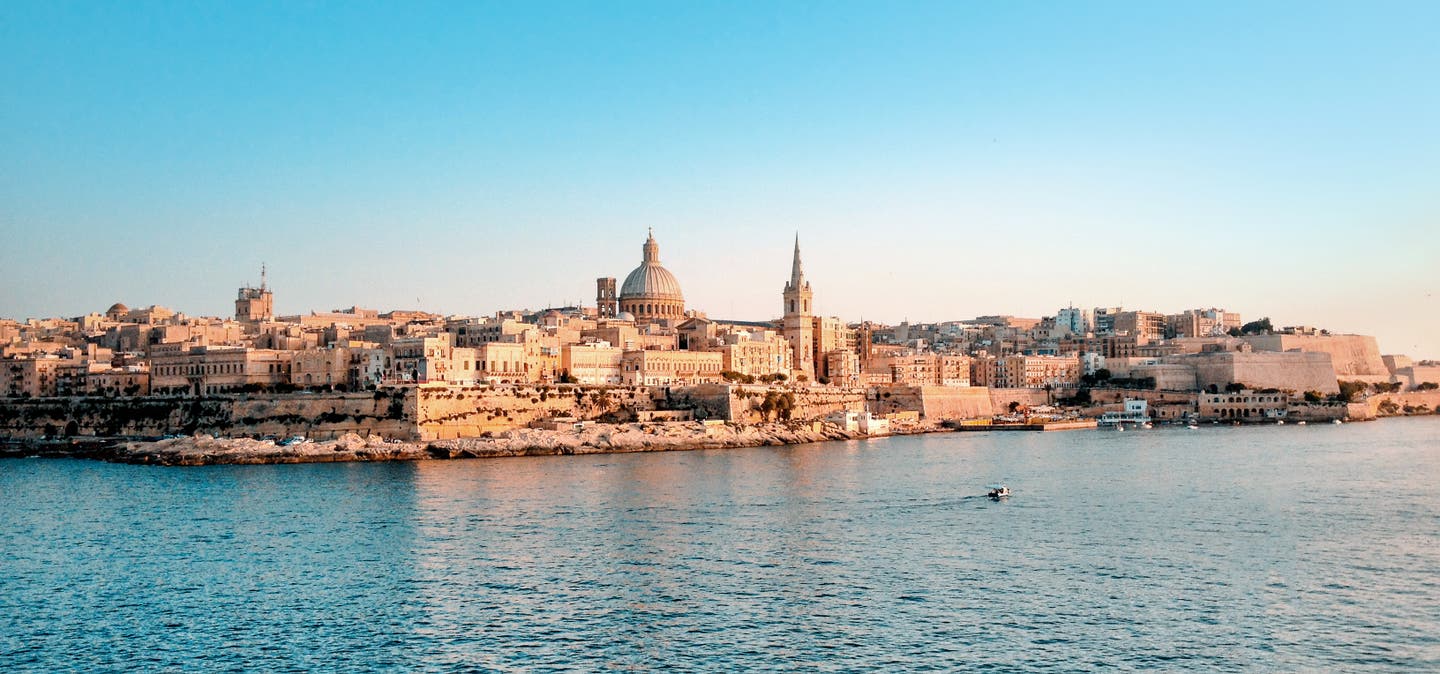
{"x":798,"y":326}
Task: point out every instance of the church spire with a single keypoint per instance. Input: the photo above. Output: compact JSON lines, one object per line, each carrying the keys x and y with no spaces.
{"x":797,"y":271}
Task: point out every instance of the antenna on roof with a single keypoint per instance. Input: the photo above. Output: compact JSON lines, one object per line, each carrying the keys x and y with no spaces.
{"x":262,"y":275}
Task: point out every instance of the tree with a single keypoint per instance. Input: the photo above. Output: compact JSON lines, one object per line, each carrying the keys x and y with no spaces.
{"x":1234,"y":387}
{"x":1349,"y":389}
{"x":1314,"y":397}
{"x":1260,"y":327}
{"x":567,"y":378}
{"x":1427,"y":386}
{"x":1102,"y":374}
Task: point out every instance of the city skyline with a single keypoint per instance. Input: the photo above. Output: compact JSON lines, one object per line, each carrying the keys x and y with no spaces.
{"x":939,"y":163}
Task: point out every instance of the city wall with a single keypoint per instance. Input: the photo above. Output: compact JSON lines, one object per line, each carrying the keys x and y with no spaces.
{"x":943,"y":403}
{"x":444,"y":412}
{"x":1353,"y":357}
{"x":747,"y":404}
{"x":1295,"y":371}
{"x":1419,"y":402}
{"x":321,"y":416}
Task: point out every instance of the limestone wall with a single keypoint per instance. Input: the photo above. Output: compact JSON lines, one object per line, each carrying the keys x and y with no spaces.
{"x":1419,"y":402}
{"x":471,"y":411}
{"x":320,"y":416}
{"x":1352,"y":356}
{"x":1295,"y":371}
{"x":934,"y":403}
{"x":1416,"y":375}
{"x":746,"y":403}
{"x":1000,"y":398}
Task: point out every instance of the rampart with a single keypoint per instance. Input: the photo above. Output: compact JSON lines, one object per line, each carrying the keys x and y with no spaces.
{"x":755,"y":404}
{"x":1396,"y":404}
{"x":444,"y":412}
{"x":1351,"y":356}
{"x":388,"y":413}
{"x":945,"y":403}
{"x":1295,"y":371}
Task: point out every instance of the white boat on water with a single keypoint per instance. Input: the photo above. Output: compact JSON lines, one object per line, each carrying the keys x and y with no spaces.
{"x":998,"y":491}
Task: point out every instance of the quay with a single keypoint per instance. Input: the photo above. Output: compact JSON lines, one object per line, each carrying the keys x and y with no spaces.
{"x":1076,"y":425}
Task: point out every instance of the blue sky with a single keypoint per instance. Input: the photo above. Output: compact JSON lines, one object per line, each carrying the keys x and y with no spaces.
{"x":939,"y":160}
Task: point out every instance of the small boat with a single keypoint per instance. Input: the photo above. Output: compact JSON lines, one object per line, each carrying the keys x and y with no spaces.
{"x":1147,"y":425}
{"x":998,"y":491}
{"x":1300,"y":423}
{"x":1337,"y":422}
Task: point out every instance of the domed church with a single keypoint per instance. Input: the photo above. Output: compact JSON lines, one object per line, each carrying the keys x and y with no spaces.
{"x":651,"y":292}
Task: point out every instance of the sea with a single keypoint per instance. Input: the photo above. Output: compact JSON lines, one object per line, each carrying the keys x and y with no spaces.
{"x":1259,"y":548}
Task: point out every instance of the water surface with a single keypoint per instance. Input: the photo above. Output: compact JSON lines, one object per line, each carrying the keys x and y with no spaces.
{"x":1223,"y":549}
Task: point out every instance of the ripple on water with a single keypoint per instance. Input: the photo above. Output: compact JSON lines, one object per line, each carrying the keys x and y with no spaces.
{"x":1168,"y":552}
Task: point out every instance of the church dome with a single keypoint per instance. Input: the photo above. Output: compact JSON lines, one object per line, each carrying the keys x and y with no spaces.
{"x":650,"y":280}
{"x":117,"y":308}
{"x":651,"y":293}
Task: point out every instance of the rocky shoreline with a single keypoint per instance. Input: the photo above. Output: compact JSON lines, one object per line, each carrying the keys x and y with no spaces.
{"x":204,"y":450}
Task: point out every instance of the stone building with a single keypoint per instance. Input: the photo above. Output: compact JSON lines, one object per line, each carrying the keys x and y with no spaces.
{"x":1243,"y":405}
{"x":830,"y":335}
{"x":593,"y":364}
{"x":31,"y":377}
{"x":650,"y":292}
{"x":666,"y":368}
{"x":209,"y":370}
{"x":1021,"y":371}
{"x":756,"y":353}
{"x":420,"y":360}
{"x":327,"y":366}
{"x":1145,"y":326}
{"x":255,"y":305}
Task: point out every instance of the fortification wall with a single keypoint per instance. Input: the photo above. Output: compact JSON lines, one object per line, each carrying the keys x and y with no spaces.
{"x":1295,"y":371}
{"x":322,"y":416}
{"x":934,"y":403}
{"x":1351,"y":356}
{"x":1418,"y":402}
{"x":1000,"y":398}
{"x":444,"y":412}
{"x":747,"y":403}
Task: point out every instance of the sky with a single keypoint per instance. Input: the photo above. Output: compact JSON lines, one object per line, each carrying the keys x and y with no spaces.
{"x":938,"y":161}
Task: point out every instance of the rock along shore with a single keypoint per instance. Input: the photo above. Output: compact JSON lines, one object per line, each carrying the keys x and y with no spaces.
{"x":203,"y":450}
